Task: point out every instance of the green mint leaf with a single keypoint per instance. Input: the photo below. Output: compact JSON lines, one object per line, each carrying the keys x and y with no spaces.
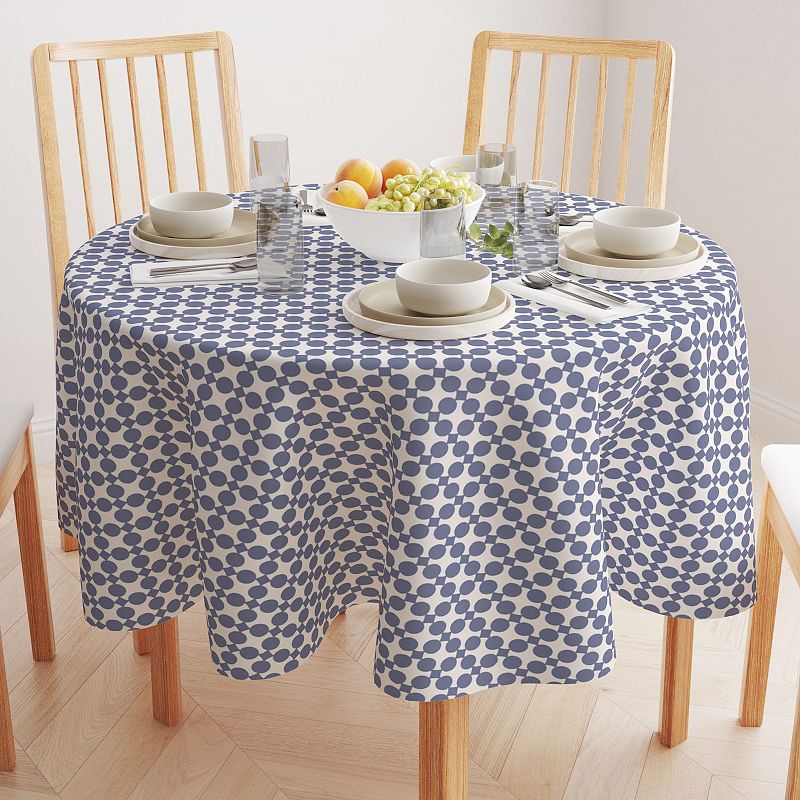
{"x":508,"y":228}
{"x":475,"y":232}
{"x":507,"y":250}
{"x":493,"y":231}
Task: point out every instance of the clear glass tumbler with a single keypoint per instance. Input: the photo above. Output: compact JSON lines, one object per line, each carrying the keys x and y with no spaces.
{"x":442,"y":232}
{"x":269,"y":161}
{"x":496,"y":165}
{"x":535,"y":212}
{"x":279,"y":242}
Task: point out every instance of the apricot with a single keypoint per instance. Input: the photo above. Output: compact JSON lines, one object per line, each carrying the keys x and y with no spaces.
{"x":346,"y":193}
{"x":363,"y":172}
{"x":398,"y":166}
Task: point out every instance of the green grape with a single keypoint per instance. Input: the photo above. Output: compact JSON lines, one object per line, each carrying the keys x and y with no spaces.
{"x":409,"y":206}
{"x":415,"y":197}
{"x":390,"y":183}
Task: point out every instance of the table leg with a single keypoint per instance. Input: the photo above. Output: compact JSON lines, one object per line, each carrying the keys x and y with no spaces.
{"x":165,"y":672}
{"x":69,"y":544}
{"x":444,"y":749}
{"x":141,"y":641}
{"x":676,"y":680}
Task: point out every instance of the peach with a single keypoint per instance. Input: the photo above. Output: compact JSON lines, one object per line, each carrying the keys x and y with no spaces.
{"x":398,"y":166}
{"x":363,"y":172}
{"x":346,"y":193}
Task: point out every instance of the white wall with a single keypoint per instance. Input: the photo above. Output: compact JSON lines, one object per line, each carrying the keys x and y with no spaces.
{"x":341,"y":79}
{"x":735,"y":165}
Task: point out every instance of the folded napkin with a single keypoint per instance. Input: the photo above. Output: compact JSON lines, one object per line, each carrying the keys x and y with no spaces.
{"x":140,"y":274}
{"x":555,"y":299}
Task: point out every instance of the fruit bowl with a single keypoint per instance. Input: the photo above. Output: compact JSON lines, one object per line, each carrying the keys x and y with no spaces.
{"x":391,"y":237}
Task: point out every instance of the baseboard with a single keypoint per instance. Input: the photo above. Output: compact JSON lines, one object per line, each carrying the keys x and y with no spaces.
{"x":773,"y":420}
{"x":44,"y":439}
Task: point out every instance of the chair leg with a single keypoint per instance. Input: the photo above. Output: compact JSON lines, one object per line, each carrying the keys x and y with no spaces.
{"x":8,"y":755}
{"x":444,"y":749}
{"x":793,"y":776}
{"x":165,"y":672}
{"x":69,"y":544}
{"x":676,"y":680}
{"x":141,"y":641}
{"x":34,"y":566}
{"x":762,"y":624}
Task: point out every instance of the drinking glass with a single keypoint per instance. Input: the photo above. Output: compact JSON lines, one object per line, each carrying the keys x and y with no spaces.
{"x":442,"y":232}
{"x":279,"y":241}
{"x":535,"y":213}
{"x":269,"y":161}
{"x":496,"y":165}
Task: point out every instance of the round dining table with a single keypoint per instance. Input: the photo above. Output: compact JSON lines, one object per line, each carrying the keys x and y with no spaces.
{"x":262,"y":456}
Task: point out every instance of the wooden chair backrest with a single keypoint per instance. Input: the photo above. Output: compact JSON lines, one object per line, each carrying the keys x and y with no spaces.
{"x":129,"y":50}
{"x":576,"y":50}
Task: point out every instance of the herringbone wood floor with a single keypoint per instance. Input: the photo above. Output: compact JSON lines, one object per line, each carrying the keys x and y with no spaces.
{"x":324,"y":732}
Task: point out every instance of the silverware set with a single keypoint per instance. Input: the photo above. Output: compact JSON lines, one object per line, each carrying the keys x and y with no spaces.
{"x":308,"y":208}
{"x":545,"y":279}
{"x":242,"y":265}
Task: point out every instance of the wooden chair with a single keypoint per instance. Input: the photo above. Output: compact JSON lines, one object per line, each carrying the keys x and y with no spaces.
{"x":162,"y":638}
{"x":778,"y":536}
{"x":444,"y":725}
{"x":18,"y":477}
{"x":577,"y":50}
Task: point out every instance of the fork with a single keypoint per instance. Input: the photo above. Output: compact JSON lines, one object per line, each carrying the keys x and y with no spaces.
{"x":558,"y":280}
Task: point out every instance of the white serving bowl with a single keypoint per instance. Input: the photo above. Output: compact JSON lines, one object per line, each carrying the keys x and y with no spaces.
{"x":636,"y":231}
{"x":443,"y":287}
{"x":386,"y":235}
{"x":460,"y":163}
{"x":191,"y":215}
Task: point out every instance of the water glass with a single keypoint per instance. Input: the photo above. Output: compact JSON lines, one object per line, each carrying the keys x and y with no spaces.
{"x":269,"y":161}
{"x":442,"y":232}
{"x":496,"y":165}
{"x":279,"y":241}
{"x":535,"y":212}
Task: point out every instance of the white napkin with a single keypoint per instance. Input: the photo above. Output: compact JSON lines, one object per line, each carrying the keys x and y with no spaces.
{"x":560,"y":301}
{"x":140,"y":274}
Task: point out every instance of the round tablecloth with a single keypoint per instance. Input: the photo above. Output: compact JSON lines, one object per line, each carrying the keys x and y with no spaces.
{"x":262,"y":455}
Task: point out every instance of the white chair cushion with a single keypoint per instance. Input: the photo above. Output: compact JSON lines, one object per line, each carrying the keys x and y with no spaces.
{"x":15,"y":415}
{"x":781,"y":463}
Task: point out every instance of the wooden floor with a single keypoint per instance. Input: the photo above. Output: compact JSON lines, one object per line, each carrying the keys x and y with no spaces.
{"x":84,"y":730}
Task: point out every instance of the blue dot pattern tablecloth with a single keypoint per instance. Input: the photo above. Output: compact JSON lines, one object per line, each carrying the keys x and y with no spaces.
{"x":262,"y":456}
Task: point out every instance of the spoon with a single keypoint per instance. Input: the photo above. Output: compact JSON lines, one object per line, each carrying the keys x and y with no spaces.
{"x":536,"y":281}
{"x":241,"y":265}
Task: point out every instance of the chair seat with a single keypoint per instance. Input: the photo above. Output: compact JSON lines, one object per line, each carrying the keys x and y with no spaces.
{"x":15,"y":416}
{"x":781,"y":463}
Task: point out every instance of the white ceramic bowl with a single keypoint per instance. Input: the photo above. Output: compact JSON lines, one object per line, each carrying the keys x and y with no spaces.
{"x":191,"y":215}
{"x":385,"y":235}
{"x":460,"y":163}
{"x":443,"y":286}
{"x":636,"y":231}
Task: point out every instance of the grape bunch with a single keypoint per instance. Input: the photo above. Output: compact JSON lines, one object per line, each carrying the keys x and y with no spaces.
{"x":432,"y":188}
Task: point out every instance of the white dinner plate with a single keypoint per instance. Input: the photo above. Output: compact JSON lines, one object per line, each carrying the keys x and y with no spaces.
{"x":380,"y":301}
{"x":638,"y":274}
{"x":243,"y":229}
{"x":581,"y":246}
{"x":433,"y":333}
{"x":191,"y":253}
